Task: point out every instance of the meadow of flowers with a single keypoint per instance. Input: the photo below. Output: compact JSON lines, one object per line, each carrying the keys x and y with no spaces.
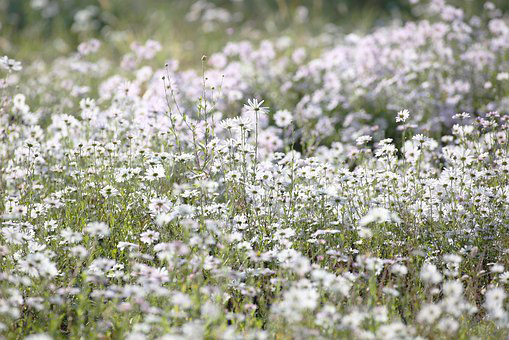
{"x":354,"y":186}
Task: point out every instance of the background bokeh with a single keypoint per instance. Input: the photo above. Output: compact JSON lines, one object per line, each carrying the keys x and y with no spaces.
{"x":187,"y":28}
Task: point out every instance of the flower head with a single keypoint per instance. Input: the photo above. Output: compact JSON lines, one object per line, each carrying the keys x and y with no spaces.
{"x":255,"y":106}
{"x":402,"y":116}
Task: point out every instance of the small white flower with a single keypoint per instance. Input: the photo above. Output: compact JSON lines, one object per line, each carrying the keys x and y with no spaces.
{"x":149,"y":236}
{"x":504,"y":277}
{"x":109,"y":191}
{"x":402,"y":116}
{"x":10,"y":64}
{"x":99,"y":229}
{"x":399,"y":269}
{"x":503,"y":76}
{"x":430,"y":274}
{"x":429,"y":313}
{"x":497,"y":268}
{"x":283,"y":118}
{"x":255,"y":106}
{"x":378,"y":215}
{"x":154,"y":173}
{"x":365,"y":232}
{"x":363,"y":140}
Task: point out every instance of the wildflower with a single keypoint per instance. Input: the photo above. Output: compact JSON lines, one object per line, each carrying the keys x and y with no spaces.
{"x":497,"y":268}
{"x":37,"y":265}
{"x":109,"y":191}
{"x":391,"y":291}
{"x":363,"y":140}
{"x":10,"y":64}
{"x":162,"y":219}
{"x":99,"y":229}
{"x":420,"y":139}
{"x":353,"y":319}
{"x":402,"y":116}
{"x":149,"y":236}
{"x":296,"y":301}
{"x":210,"y":310}
{"x":154,"y":173}
{"x":39,"y":336}
{"x":385,"y":149}
{"x":70,"y":236}
{"x":461,"y":116}
{"x":372,"y":264}
{"x":160,"y":205}
{"x":255,"y":106}
{"x":123,"y":175}
{"x":430,"y":274}
{"x":495,"y":298}
{"x":182,"y":300}
{"x":504,"y":277}
{"x":399,"y":269}
{"x":79,"y":251}
{"x":300,"y":265}
{"x":502,"y":76}
{"x":429,"y":313}
{"x":124,"y":245}
{"x":378,"y":215}
{"x":283,"y":118}
{"x":228,"y":123}
{"x":243,"y":123}
{"x":448,"y":325}
{"x":255,"y":191}
{"x":13,"y":235}
{"x":365,"y":232}
{"x":89,"y":47}
{"x":453,"y":289}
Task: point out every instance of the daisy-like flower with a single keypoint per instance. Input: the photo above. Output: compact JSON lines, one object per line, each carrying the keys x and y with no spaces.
{"x":429,"y":313}
{"x":79,"y":251}
{"x":402,"y":116}
{"x":38,"y":265}
{"x":69,"y":236}
{"x":227,"y":123}
{"x":99,"y":229}
{"x":399,"y":269}
{"x":149,"y":236}
{"x":109,"y":191}
{"x":420,"y":139}
{"x":448,"y":325}
{"x":159,"y":205}
{"x":495,"y":298}
{"x":89,"y":47}
{"x":154,"y":172}
{"x":430,"y":274}
{"x":378,"y":215}
{"x":461,"y":116}
{"x":123,"y":174}
{"x":129,"y":245}
{"x":497,"y":268}
{"x":504,"y":277}
{"x":283,"y":118}
{"x":255,"y":106}
{"x":13,"y":235}
{"x":243,"y":123}
{"x":254,"y":191}
{"x":10,"y":64}
{"x":363,"y":140}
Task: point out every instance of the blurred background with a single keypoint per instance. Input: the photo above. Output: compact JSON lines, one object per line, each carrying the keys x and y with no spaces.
{"x":32,"y":29}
